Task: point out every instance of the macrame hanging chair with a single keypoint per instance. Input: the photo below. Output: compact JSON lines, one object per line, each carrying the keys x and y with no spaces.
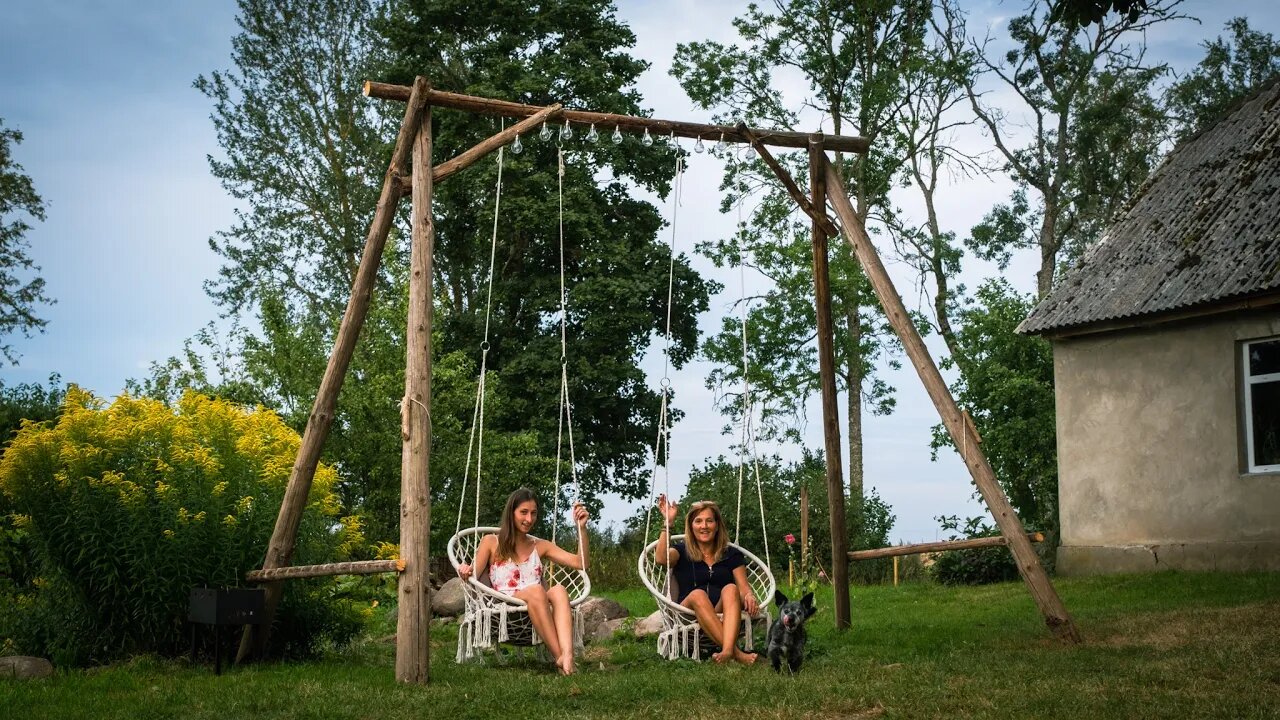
{"x":681,"y":635}
{"x":490,"y":617}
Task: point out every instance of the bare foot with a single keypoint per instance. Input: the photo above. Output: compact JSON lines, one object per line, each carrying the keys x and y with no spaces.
{"x":723,"y":656}
{"x":565,"y":664}
{"x":745,"y":658}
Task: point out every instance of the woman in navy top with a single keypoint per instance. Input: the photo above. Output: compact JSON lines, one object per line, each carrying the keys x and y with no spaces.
{"x":710,"y":574}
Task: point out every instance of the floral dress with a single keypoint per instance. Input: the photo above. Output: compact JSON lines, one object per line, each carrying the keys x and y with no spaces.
{"x":510,"y":577}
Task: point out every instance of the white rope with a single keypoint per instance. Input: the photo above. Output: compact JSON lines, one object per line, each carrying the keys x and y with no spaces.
{"x":476,"y":436}
{"x":661,"y":445}
{"x":565,"y":411}
{"x":746,"y":385}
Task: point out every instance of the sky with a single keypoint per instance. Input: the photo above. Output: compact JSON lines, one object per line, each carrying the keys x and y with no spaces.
{"x":117,"y":141}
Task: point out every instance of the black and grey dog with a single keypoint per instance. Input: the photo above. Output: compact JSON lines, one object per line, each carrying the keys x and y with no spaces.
{"x":787,"y":635}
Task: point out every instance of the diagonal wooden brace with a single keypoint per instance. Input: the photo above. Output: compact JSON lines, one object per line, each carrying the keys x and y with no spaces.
{"x":828,"y":226}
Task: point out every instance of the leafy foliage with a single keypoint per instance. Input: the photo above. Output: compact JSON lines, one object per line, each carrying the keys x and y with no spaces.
{"x":1229,"y":70}
{"x":974,"y":566}
{"x":1094,"y":125}
{"x":20,"y":404}
{"x":128,"y":506}
{"x":18,"y":201}
{"x":855,"y":59}
{"x":1007,"y":387}
{"x":616,"y":270}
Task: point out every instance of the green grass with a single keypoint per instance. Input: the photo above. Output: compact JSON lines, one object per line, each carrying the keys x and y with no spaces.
{"x":1168,"y":645}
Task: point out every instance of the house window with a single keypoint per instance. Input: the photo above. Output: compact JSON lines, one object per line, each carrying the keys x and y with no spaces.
{"x":1262,"y":404}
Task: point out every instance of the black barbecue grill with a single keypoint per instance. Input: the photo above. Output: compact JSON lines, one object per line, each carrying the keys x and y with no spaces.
{"x":222,"y":607}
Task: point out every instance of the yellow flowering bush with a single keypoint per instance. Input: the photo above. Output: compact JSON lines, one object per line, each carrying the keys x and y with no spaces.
{"x":131,"y":504}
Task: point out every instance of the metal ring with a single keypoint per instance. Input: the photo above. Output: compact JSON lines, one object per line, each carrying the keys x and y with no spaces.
{"x":484,"y":346}
{"x":665,"y":382}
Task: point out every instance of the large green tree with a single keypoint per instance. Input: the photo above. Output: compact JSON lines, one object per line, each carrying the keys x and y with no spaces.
{"x":306,"y":152}
{"x":1229,"y":70}
{"x":574,"y":52}
{"x":21,"y":289}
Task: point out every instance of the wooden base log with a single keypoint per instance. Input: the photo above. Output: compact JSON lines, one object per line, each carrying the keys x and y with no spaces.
{"x":293,"y":572}
{"x":280,"y":549}
{"x":940,"y":546}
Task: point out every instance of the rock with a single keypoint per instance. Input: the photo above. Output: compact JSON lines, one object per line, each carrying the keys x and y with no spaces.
{"x":651,"y":625}
{"x":448,"y":600}
{"x":25,"y":668}
{"x":596,"y":610}
{"x":605,"y":630}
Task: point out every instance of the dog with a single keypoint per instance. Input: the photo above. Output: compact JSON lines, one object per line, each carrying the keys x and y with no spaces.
{"x":787,"y":635}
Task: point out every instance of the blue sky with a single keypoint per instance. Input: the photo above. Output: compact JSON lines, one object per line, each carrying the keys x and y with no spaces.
{"x":116,"y":143}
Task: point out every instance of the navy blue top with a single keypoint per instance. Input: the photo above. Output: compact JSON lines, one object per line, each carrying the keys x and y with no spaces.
{"x":693,"y":575}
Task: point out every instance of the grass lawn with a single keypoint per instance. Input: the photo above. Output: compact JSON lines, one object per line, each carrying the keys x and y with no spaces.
{"x":1170,"y":645}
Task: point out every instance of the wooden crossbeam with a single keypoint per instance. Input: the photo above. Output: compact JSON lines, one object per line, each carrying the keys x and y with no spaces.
{"x":940,"y":546}
{"x":625,"y":123}
{"x":294,"y":572}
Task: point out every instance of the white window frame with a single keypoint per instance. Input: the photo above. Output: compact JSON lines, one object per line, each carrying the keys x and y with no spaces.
{"x":1248,"y":382}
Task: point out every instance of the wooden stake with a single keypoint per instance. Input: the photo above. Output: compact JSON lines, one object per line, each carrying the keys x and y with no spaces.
{"x":413,"y":648}
{"x":280,"y":549}
{"x":1042,"y":590}
{"x":625,"y":123}
{"x":895,"y":571}
{"x":804,"y":524}
{"x":827,"y":372}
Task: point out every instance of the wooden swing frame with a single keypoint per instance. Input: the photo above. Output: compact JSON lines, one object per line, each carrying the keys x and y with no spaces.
{"x":414,"y":145}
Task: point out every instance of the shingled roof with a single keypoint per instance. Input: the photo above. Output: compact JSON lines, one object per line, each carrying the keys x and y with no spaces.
{"x":1204,"y":229}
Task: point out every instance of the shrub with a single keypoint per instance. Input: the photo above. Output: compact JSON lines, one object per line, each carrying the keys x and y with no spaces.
{"x":126,"y":507}
{"x":976,"y":566}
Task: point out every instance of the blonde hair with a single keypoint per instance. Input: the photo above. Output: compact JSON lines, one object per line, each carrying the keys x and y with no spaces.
{"x":718,"y":543}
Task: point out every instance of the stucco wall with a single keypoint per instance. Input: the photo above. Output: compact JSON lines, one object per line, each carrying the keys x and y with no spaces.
{"x":1149,"y":451}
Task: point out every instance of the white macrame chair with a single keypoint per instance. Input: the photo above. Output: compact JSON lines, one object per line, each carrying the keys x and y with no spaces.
{"x":490,"y":617}
{"x":681,"y":635}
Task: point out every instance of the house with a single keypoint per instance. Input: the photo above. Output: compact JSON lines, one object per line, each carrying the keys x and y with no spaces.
{"x":1166,"y":345}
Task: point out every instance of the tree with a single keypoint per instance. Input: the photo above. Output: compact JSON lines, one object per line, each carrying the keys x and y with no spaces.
{"x":20,"y":292}
{"x":573,"y":52}
{"x":305,"y":151}
{"x":1007,"y":385}
{"x":1065,"y":78}
{"x":1229,"y":70}
{"x":852,"y":57}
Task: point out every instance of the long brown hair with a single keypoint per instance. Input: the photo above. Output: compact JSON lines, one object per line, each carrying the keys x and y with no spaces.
{"x":718,"y":543}
{"x":507,"y":529}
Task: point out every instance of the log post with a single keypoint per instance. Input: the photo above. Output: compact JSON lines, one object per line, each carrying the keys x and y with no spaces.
{"x":413,"y":622}
{"x":827,"y":372}
{"x":280,"y":549}
{"x":966,"y":442}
